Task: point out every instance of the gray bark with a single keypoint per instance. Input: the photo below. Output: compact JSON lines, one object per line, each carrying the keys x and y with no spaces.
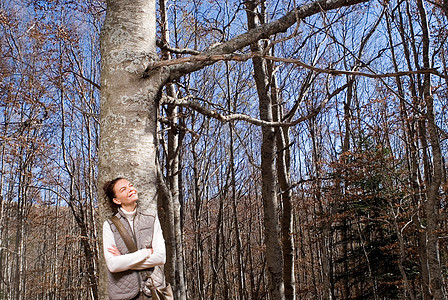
{"x":274,"y":257}
{"x":173,"y":182}
{"x":175,"y":261}
{"x":283,"y":175}
{"x":127,"y":145}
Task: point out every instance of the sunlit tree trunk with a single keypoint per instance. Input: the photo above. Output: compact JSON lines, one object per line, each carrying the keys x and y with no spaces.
{"x":175,"y":264}
{"x":274,"y":255}
{"x":283,"y":175}
{"x":127,"y":145}
{"x":3,"y":215}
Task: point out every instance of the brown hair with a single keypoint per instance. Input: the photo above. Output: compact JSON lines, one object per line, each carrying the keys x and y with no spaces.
{"x":109,"y":193}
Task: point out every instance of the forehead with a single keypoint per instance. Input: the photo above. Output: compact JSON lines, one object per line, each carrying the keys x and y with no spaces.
{"x":120,"y":184}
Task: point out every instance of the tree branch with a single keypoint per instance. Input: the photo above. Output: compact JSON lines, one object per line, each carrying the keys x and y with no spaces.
{"x":186,"y":102}
{"x":84,"y":78}
{"x":256,"y":34}
{"x":164,"y":46}
{"x":209,"y":59}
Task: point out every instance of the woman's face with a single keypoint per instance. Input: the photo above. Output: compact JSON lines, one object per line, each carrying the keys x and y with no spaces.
{"x":125,"y":195}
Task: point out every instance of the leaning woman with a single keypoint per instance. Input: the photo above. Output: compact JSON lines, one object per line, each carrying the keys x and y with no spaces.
{"x":129,"y":270}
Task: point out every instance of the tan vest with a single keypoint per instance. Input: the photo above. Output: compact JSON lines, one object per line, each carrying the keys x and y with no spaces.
{"x":127,"y":284}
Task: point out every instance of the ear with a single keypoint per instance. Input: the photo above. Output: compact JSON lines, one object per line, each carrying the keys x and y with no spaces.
{"x":116,"y":201}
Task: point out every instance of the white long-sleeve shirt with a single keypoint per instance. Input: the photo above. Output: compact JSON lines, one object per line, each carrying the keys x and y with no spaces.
{"x":139,"y":260}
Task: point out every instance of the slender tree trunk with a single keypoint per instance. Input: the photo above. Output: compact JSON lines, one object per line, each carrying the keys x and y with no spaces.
{"x":413,"y":126}
{"x":409,"y":143}
{"x":173,"y":169}
{"x":274,"y":255}
{"x":344,"y":227}
{"x":215,"y":259}
{"x":324,"y":209}
{"x":432,"y":204}
{"x":283,"y":159}
{"x":197,"y":216}
{"x":239,"y":251}
{"x":175,"y":266}
{"x":3,"y":219}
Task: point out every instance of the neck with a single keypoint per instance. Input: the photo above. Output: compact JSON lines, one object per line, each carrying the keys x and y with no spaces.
{"x":129,"y":208}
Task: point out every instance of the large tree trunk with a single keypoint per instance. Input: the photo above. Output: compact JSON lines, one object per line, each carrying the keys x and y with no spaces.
{"x":127,"y":145}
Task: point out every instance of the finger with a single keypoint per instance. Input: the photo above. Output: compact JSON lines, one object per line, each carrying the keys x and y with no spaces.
{"x":115,"y":253}
{"x":113,"y":249}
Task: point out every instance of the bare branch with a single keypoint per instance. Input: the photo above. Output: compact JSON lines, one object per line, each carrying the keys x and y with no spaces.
{"x":165,"y":46}
{"x":244,"y":57}
{"x":84,"y":78}
{"x":262,"y":32}
{"x":187,"y":102}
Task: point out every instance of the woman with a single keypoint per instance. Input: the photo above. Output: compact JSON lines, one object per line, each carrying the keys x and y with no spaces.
{"x":127,"y":271}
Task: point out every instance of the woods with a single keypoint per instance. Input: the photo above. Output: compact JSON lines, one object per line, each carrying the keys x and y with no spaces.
{"x":294,"y":150}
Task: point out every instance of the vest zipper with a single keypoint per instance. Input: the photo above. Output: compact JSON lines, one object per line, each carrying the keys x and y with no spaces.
{"x":139,"y":275}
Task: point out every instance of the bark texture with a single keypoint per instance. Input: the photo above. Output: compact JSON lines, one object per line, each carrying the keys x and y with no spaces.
{"x":127,"y":146}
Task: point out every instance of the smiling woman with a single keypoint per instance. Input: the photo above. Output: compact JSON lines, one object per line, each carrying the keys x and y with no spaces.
{"x":126,"y":195}
{"x":129,"y":269}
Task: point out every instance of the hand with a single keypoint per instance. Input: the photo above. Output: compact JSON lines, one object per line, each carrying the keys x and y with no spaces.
{"x":114,"y":250}
{"x":151,"y":251}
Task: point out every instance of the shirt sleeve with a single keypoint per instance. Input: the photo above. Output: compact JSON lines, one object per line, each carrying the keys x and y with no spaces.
{"x":122,"y":262}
